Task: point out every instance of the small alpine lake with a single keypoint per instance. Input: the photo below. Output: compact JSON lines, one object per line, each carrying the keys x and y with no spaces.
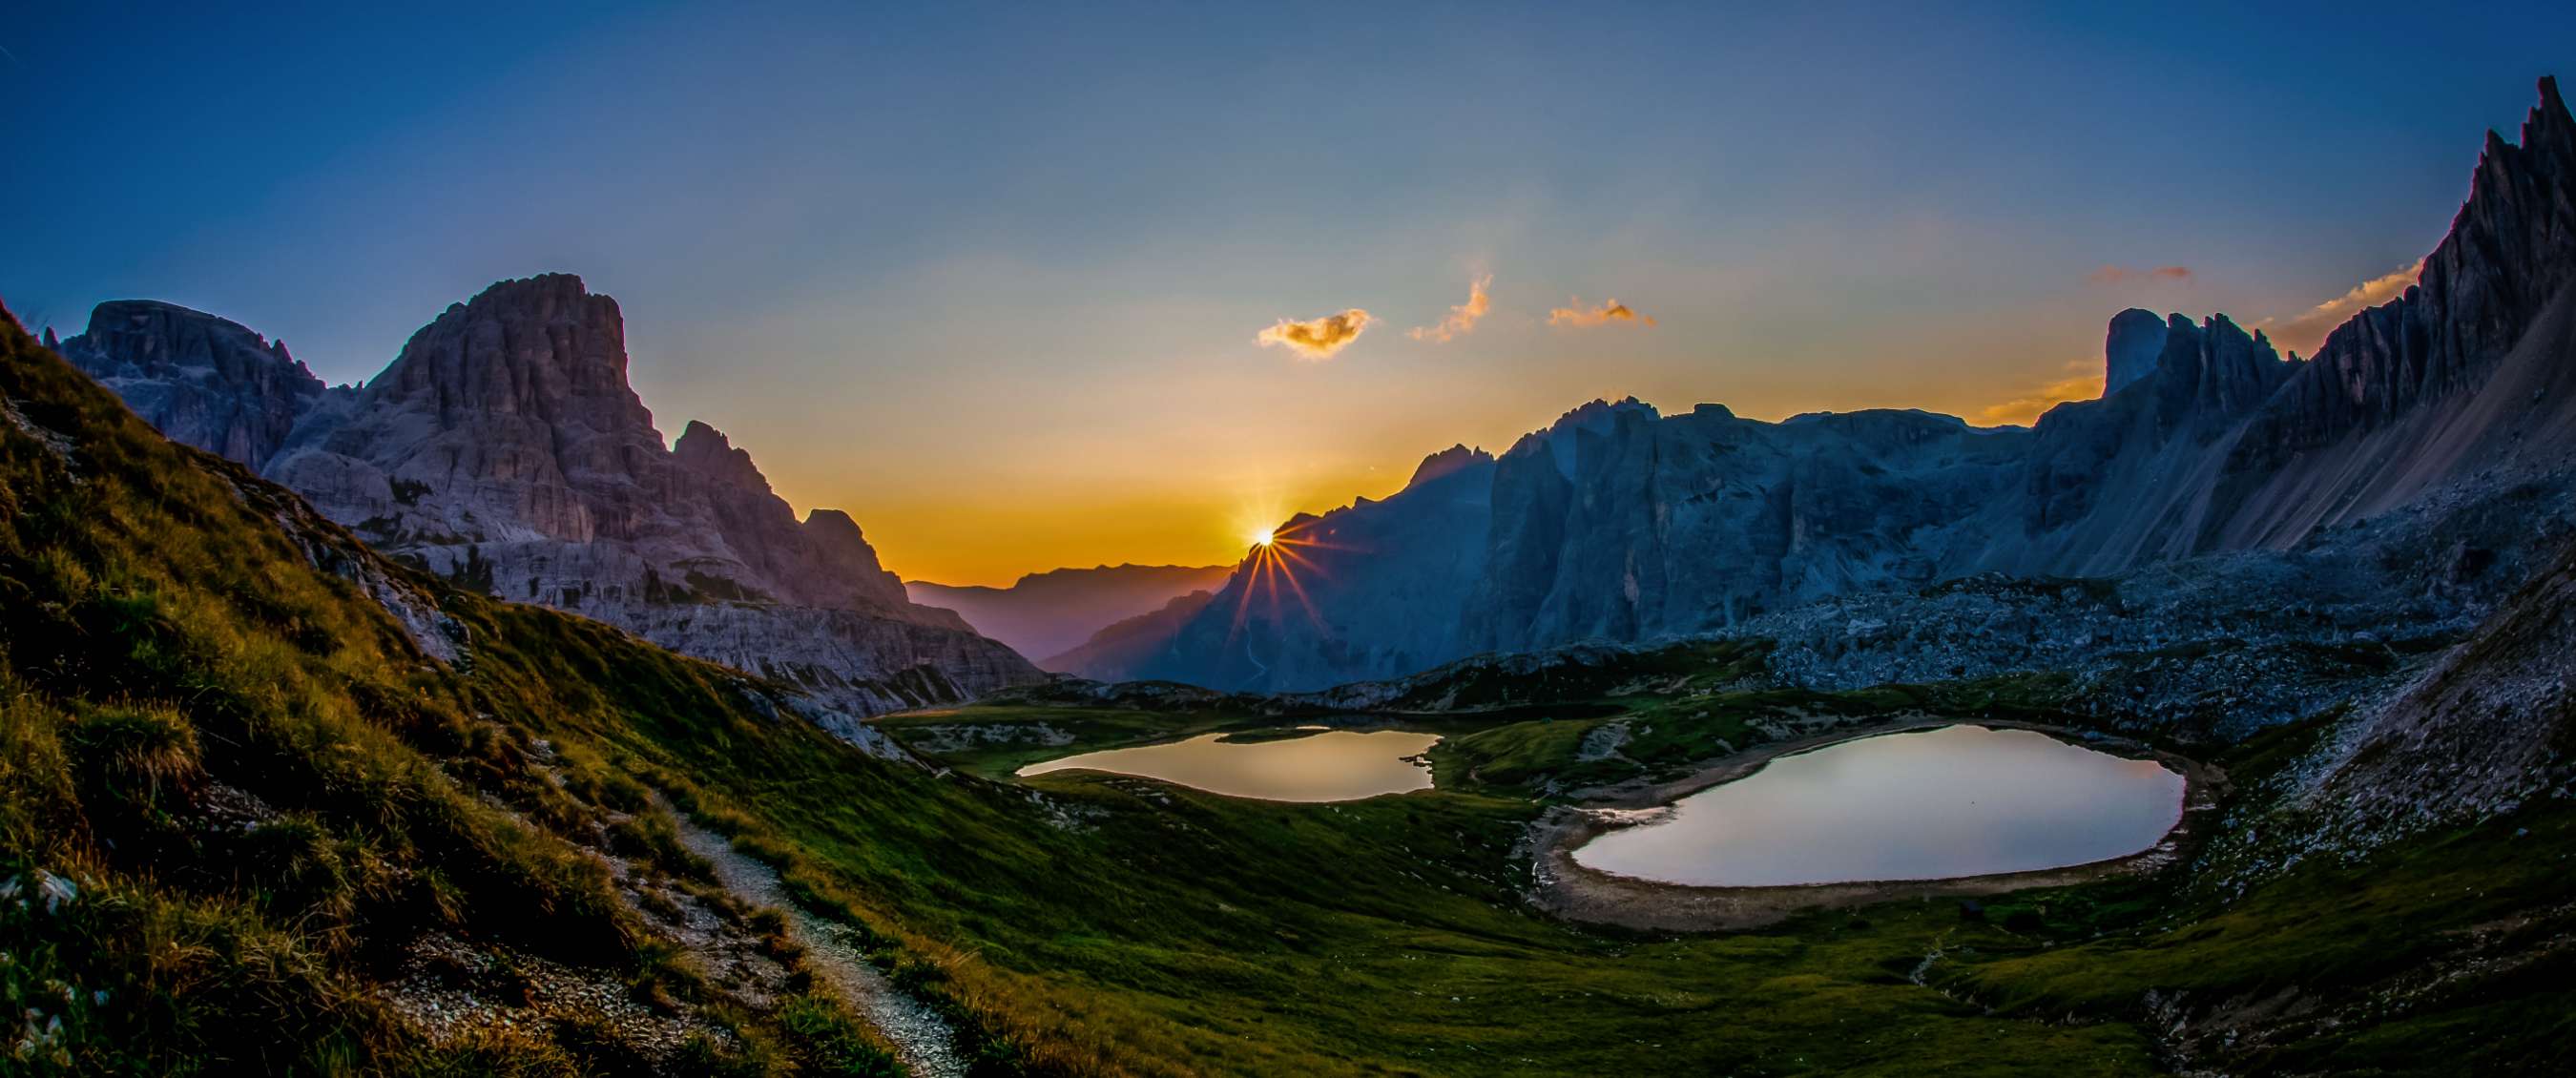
{"x":1950,"y":802}
{"x":1310,"y":764}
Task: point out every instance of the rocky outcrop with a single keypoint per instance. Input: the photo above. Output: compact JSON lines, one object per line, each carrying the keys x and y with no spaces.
{"x":2510,"y":252}
{"x":505,"y":449}
{"x":1620,"y":524}
{"x":200,"y":379}
{"x":2114,"y":482}
{"x":2131,"y":348}
{"x":1047,"y":614}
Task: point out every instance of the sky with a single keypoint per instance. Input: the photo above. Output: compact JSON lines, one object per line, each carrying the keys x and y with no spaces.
{"x":1027,"y":286}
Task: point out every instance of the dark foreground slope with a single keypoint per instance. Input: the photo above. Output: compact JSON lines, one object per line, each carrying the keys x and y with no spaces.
{"x":266,"y":798}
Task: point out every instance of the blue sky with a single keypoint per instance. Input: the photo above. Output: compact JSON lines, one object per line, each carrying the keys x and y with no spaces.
{"x":990,"y":276}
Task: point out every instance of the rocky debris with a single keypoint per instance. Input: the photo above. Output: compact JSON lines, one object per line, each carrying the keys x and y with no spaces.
{"x":504,"y":449}
{"x":2193,"y":1032}
{"x":1125,"y":695}
{"x":856,"y":731}
{"x":330,"y":548}
{"x":1077,"y":817}
{"x":1602,"y":742}
{"x":2210,"y":649}
{"x":2478,"y":733}
{"x":53,"y":441}
{"x":946,"y":738}
{"x":922,"y":1038}
{"x":450,"y":990}
{"x":227,"y":808}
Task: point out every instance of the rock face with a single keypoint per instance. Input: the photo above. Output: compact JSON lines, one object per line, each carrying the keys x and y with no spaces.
{"x":200,"y":379}
{"x":2136,"y":339}
{"x":504,"y":449}
{"x":1046,"y":614}
{"x":1620,"y":524}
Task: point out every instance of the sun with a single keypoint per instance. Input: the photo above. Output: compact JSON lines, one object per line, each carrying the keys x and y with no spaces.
{"x":1261,"y":537}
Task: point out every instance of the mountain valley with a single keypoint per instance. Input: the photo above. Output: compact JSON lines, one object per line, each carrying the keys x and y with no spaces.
{"x":460,"y":723}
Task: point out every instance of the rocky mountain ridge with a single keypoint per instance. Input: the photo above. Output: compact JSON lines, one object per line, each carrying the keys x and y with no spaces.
{"x":504,"y":448}
{"x":1619,"y":524}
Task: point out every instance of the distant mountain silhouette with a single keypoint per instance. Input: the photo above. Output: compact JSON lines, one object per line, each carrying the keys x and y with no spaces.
{"x":1043,"y":614}
{"x":1620,"y":524}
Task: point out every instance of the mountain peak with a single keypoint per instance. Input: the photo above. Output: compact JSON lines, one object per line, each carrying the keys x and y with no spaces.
{"x":1447,"y":462}
{"x":697,"y":430}
{"x":706,"y":451}
{"x":205,"y":380}
{"x":1598,"y":414}
{"x":2129,"y":351}
{"x":835,"y":524}
{"x":540,"y":348}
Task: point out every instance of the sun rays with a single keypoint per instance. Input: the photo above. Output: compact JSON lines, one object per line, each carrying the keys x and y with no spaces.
{"x":1275,"y":561}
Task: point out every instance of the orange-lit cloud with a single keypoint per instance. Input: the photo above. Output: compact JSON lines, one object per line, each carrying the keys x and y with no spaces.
{"x":1609,"y":311}
{"x":2305,"y":332}
{"x":2083,"y":383}
{"x":2117,"y":274}
{"x":1317,"y":338}
{"x":1462,"y":318}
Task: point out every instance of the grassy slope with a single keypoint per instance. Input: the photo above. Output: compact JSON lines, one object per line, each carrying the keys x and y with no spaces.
{"x":161,"y":637}
{"x":2482,"y":912}
{"x":261,"y":792}
{"x":1199,"y":933}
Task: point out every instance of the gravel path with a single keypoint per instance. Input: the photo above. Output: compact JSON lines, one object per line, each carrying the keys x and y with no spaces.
{"x":921,"y":1037}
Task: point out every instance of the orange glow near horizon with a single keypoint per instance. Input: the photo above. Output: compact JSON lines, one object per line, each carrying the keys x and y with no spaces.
{"x":1175,"y":457}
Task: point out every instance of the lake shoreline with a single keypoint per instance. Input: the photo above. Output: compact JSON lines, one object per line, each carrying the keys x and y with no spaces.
{"x":1566,"y":888}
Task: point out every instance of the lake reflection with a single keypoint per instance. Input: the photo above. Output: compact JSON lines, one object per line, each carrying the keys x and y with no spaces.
{"x":1337,"y":765}
{"x":1957,"y":801}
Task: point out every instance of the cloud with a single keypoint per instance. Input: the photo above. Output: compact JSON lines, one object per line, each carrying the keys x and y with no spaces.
{"x":1462,"y":318}
{"x":1609,"y":311}
{"x":1318,"y":338}
{"x":2308,"y":330}
{"x":2083,"y":383}
{"x":2117,"y":274}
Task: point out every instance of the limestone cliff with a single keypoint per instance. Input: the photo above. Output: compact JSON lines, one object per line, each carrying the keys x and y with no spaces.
{"x":505,"y":448}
